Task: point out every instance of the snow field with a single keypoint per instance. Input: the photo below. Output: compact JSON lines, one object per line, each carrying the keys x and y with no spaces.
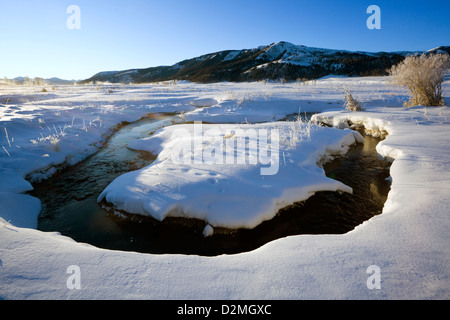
{"x":408,"y":241}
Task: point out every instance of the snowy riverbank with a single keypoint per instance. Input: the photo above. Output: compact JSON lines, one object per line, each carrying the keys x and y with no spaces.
{"x":408,"y":242}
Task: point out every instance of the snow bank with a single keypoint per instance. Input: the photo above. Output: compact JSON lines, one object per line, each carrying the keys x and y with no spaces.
{"x":239,"y":180}
{"x":18,"y":208}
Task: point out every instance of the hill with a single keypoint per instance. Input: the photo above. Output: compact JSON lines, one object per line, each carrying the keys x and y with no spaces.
{"x":273,"y":62}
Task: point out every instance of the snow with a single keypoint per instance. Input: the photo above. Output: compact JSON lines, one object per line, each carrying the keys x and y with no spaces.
{"x":285,"y":52}
{"x":409,"y":241}
{"x":233,"y":54}
{"x":208,"y":231}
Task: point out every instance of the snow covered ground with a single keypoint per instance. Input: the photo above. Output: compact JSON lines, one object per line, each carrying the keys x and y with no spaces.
{"x":408,"y":243}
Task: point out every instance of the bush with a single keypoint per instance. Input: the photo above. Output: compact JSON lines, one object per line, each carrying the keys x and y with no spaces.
{"x":351,"y":103}
{"x":422,"y":76}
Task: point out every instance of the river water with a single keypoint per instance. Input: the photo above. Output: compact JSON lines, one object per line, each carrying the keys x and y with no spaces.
{"x":69,"y":200}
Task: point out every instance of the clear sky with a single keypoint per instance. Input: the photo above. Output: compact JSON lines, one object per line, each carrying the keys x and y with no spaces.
{"x":117,"y":34}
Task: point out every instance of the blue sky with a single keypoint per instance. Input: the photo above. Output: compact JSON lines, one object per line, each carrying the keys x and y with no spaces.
{"x":118,"y":34}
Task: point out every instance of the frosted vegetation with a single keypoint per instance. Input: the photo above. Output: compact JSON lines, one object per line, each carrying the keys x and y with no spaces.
{"x":351,"y":103}
{"x":422,"y":76}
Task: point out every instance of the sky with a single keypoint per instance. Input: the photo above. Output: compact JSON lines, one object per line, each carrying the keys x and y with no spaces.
{"x":36,"y":41}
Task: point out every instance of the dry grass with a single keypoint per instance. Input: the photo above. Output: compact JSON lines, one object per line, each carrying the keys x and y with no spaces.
{"x":351,"y":103}
{"x":422,"y":76}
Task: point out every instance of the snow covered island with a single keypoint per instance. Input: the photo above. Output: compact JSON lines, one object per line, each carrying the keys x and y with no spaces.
{"x":239,"y":191}
{"x":403,"y":253}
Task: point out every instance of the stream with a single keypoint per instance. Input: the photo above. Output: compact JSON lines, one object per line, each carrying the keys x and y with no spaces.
{"x":69,"y":201}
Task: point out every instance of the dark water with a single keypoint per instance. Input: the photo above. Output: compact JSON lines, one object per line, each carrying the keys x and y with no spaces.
{"x":70,"y":205}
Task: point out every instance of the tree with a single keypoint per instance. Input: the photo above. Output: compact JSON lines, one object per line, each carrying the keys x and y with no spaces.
{"x":422,"y":76}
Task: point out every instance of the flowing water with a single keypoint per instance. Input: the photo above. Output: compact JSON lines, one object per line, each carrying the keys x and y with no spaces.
{"x":70,"y":206}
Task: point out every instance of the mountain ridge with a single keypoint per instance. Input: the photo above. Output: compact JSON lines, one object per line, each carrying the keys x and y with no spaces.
{"x":47,"y":81}
{"x":279,"y":60}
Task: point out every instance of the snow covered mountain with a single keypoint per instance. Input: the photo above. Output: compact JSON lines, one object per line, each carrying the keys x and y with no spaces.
{"x":275,"y":61}
{"x":49,"y":81}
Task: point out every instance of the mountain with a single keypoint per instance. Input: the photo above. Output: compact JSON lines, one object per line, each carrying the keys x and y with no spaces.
{"x":275,"y":61}
{"x":441,"y":49}
{"x":49,"y":81}
{"x":56,"y":81}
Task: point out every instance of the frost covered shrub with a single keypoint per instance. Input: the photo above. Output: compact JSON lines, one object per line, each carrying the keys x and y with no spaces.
{"x":422,"y":76}
{"x":39,"y":81}
{"x":351,"y":103}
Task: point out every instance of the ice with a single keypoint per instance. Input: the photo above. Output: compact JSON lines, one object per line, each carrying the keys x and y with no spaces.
{"x":208,"y":231}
